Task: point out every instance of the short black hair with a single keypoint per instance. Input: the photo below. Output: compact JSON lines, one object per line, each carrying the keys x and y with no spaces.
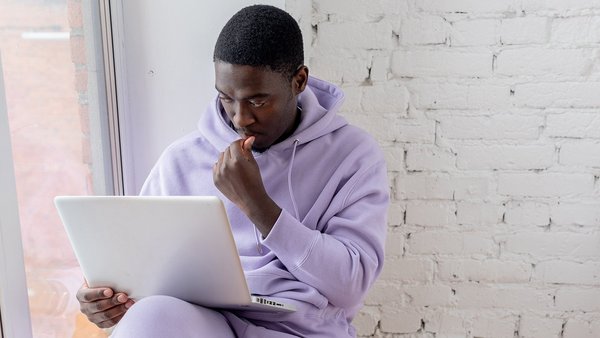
{"x":261,"y":36}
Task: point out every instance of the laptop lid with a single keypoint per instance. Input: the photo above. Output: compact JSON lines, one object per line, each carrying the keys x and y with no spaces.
{"x":180,"y":246}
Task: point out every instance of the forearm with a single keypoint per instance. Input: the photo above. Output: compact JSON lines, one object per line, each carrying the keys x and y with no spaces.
{"x":341,"y":269}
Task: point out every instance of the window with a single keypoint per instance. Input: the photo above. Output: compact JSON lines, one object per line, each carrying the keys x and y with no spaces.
{"x":56,"y":106}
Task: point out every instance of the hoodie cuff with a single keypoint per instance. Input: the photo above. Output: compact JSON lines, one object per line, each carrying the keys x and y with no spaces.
{"x":290,"y":240}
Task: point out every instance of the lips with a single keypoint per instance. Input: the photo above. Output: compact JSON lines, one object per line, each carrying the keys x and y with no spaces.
{"x":247,"y":133}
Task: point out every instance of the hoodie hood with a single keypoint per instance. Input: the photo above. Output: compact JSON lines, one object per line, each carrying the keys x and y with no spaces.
{"x":320,"y":102}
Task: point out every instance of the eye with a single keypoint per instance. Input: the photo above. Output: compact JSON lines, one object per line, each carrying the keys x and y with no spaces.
{"x":257,"y":104}
{"x":225,"y":99}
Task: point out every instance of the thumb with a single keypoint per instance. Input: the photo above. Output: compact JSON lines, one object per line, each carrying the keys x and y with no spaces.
{"x":247,"y":144}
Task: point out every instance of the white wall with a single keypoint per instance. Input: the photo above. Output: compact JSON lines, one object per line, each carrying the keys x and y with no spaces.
{"x":165,"y":73}
{"x":489,"y":114}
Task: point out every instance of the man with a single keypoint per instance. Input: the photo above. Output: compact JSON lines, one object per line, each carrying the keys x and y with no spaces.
{"x":306,"y":194}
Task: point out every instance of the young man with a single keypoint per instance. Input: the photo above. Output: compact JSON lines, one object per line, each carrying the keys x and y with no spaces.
{"x":306,"y":194}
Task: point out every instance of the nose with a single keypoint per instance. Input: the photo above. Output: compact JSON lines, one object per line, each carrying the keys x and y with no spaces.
{"x":242,"y":116}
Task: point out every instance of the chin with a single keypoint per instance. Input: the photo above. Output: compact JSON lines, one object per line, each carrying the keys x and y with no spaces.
{"x":259,"y":149}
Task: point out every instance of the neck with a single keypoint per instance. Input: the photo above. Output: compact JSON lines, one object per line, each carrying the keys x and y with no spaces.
{"x":293,"y":126}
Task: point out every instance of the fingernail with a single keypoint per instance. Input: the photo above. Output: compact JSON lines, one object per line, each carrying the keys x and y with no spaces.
{"x":122,"y":298}
{"x":128,"y":305}
{"x":107,"y":293}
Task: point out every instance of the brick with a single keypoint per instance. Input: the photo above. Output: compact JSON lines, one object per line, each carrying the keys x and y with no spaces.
{"x":466,"y":6}
{"x":394,"y":158}
{"x":75,"y":14}
{"x":424,"y":186}
{"x":376,"y":35}
{"x":84,"y":120}
{"x":471,"y":213}
{"x":553,"y":244}
{"x":584,"y":153}
{"x":396,"y":213}
{"x":495,"y":127}
{"x":431,"y":213}
{"x":384,"y":293}
{"x":424,"y":157}
{"x":527,"y":213}
{"x":385,"y":99}
{"x":81,"y":79}
{"x":423,"y":30}
{"x":352,"y":97}
{"x":545,"y":184}
{"x":340,"y":69}
{"x":400,"y":320}
{"x":380,"y":68}
{"x":584,"y":30}
{"x":539,"y":61}
{"x":459,"y":95}
{"x":455,"y":243}
{"x":565,"y":272}
{"x":471,"y":187}
{"x":477,"y":32}
{"x":394,"y":244}
{"x":494,"y":327}
{"x":575,"y":328}
{"x":366,"y":320}
{"x":559,"y":5}
{"x":532,"y":326}
{"x":444,"y":323}
{"x":442,"y":63}
{"x":573,"y":125}
{"x":441,"y":186}
{"x":393,"y":129}
{"x":559,"y":94}
{"x":488,"y":271}
{"x":429,"y":295}
{"x":78,"y":50}
{"x":506,"y":157}
{"x":358,"y":7}
{"x":475,"y":296}
{"x":580,"y":213}
{"x":524,"y":30}
{"x":407,"y":270}
{"x":576,"y":299}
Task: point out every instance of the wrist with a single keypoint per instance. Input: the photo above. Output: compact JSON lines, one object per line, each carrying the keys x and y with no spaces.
{"x":264,"y":216}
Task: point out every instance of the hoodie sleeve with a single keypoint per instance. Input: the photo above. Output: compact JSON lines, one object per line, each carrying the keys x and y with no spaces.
{"x":343,"y":260}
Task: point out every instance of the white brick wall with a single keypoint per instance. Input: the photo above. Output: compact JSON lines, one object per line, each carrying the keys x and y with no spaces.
{"x":488,"y":113}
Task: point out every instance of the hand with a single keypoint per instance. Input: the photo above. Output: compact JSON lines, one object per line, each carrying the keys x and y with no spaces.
{"x":237,"y":176}
{"x":103,"y":306}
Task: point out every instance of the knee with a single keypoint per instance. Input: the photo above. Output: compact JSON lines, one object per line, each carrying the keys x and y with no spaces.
{"x":164,"y":316}
{"x":157,"y":308}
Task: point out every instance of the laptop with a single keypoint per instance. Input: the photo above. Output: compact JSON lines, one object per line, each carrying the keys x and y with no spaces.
{"x":179,"y":246}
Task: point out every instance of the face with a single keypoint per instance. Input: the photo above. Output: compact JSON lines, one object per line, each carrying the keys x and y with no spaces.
{"x":259,"y":102}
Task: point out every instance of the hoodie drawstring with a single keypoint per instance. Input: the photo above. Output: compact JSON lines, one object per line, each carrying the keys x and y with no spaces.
{"x":296,"y":141}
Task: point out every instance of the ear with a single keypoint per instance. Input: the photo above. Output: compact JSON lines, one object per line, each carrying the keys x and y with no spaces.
{"x":300,"y":79}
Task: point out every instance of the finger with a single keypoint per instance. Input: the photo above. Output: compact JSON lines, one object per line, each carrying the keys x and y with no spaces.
{"x":111,"y":322}
{"x":247,"y":144}
{"x":103,"y":305}
{"x":108,"y":316}
{"x":86,"y":295}
{"x":236,"y":149}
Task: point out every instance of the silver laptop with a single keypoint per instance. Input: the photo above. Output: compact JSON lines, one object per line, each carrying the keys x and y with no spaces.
{"x":179,"y":246}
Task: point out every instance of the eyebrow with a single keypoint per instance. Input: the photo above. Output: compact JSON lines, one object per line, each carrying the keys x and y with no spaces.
{"x":255,"y":96}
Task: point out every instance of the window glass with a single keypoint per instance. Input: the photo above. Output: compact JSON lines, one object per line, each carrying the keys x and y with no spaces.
{"x":46,"y":76}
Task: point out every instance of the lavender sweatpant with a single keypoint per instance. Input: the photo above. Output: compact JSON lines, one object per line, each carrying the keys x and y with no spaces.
{"x":165,"y":317}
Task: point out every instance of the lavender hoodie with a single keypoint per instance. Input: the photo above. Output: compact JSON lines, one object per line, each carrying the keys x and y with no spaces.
{"x":326,"y":248}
